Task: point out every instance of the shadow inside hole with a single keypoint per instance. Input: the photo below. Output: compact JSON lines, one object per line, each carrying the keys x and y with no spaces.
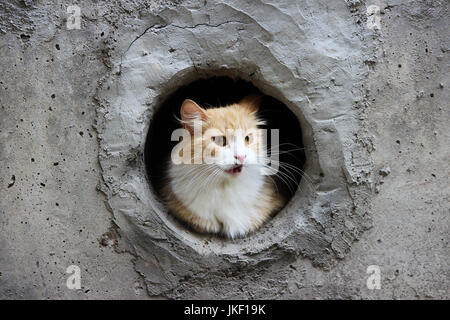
{"x":217,"y":92}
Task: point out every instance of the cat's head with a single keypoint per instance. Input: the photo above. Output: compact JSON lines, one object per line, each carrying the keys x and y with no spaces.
{"x":230,"y":139}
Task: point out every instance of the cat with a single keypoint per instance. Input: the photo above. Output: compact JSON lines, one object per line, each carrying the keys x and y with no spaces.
{"x":226,"y":193}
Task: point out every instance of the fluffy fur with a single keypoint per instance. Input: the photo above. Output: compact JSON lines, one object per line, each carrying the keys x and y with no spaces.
{"x":226,"y":193}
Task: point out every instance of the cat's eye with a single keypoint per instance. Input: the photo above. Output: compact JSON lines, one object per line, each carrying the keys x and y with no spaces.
{"x":220,"y":140}
{"x":248,"y":138}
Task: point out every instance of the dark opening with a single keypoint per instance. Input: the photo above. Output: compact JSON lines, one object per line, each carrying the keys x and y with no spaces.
{"x":216,"y":92}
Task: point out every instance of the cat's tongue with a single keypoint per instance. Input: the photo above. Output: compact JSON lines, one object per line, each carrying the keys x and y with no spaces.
{"x":234,"y":170}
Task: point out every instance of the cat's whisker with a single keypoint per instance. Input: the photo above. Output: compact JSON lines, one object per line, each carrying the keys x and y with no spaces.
{"x":285,"y":144}
{"x":289,"y":168}
{"x":212,"y":177}
{"x":202,"y":170}
{"x":293,"y":168}
{"x":283,"y":153}
{"x":284,"y":178}
{"x":271,"y":150}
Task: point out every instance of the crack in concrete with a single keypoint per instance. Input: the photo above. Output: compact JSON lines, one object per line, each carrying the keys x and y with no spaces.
{"x":157,"y":26}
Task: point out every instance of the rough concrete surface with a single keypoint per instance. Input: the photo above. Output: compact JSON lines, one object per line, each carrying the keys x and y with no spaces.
{"x":75,"y":109}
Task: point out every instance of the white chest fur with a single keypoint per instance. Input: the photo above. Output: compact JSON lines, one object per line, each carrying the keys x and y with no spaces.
{"x":228,"y":203}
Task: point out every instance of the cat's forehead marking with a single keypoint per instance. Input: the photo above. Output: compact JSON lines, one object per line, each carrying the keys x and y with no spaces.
{"x":232,"y":117}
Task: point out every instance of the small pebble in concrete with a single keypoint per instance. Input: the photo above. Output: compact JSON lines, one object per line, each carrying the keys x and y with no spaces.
{"x":106,"y":241}
{"x":385,"y":171}
{"x":12,"y":181}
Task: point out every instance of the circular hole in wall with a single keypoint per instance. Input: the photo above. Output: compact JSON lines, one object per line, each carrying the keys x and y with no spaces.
{"x":218,"y":92}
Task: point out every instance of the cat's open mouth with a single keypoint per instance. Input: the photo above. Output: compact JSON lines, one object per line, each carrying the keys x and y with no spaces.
{"x":235,"y":170}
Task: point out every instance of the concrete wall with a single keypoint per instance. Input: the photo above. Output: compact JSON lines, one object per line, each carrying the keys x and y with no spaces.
{"x":56,"y":209}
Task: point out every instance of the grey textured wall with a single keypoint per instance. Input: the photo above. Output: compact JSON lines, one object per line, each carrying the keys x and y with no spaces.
{"x":57,"y":208}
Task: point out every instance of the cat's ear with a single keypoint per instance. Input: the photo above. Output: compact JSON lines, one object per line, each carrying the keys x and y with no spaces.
{"x":251,"y":102}
{"x":191,"y":113}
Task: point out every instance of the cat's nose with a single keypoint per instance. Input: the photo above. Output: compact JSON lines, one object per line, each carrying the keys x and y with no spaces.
{"x":240,"y":158}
